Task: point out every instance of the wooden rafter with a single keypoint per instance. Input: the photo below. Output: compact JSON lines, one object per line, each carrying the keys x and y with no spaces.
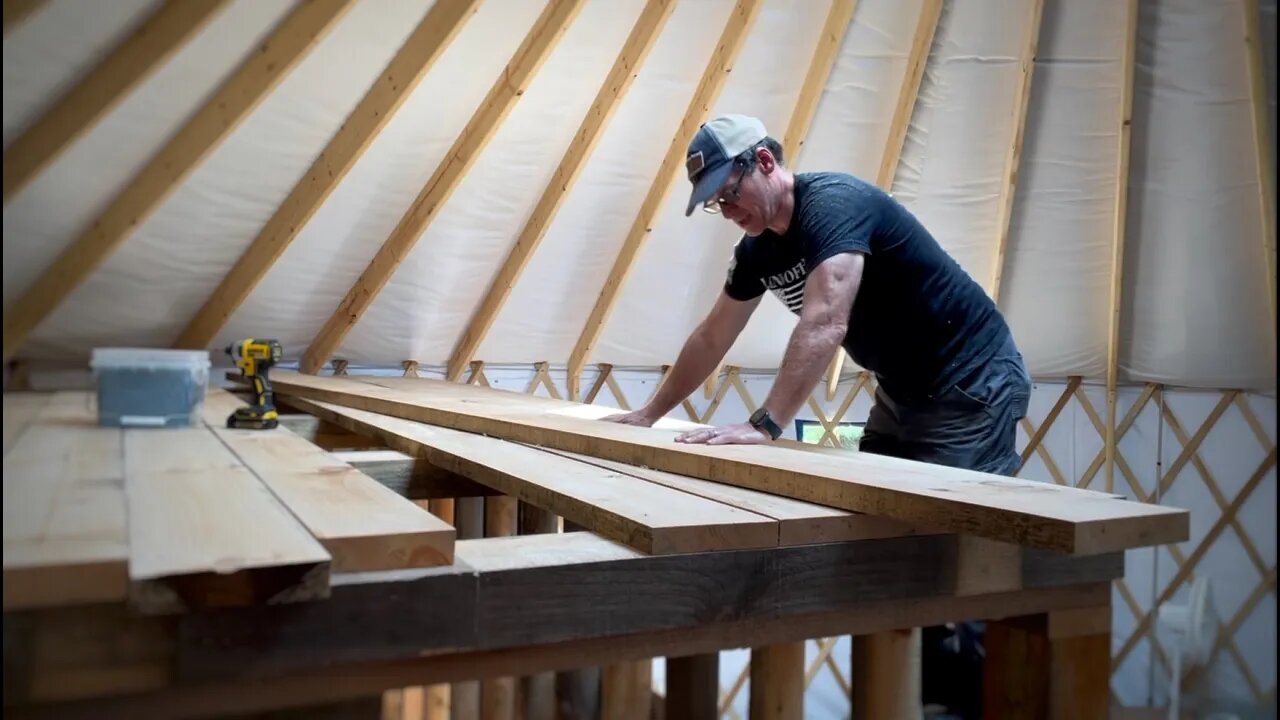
{"x":713,"y":78}
{"x":1262,"y":143}
{"x":128,"y":65}
{"x":602,"y":376}
{"x":388,"y":92}
{"x":1035,"y":439}
{"x":615,"y":86}
{"x":1009,"y":178}
{"x":1118,"y":216}
{"x":921,"y":42}
{"x":497,"y":104}
{"x":16,"y":11}
{"x":218,"y":117}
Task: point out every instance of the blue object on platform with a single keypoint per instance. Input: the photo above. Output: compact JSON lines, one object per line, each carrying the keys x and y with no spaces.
{"x":149,"y":387}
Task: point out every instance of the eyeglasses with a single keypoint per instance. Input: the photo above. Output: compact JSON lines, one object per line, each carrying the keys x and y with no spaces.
{"x":731,"y":195}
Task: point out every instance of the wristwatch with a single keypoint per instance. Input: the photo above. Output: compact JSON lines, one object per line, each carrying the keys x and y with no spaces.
{"x":760,"y":420}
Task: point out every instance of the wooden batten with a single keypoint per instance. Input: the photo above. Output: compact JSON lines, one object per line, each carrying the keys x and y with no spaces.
{"x":17,"y":11}
{"x":634,"y":51}
{"x":222,"y":113}
{"x":714,"y":77}
{"x":542,"y":38}
{"x":385,"y":96}
{"x":1262,"y":145}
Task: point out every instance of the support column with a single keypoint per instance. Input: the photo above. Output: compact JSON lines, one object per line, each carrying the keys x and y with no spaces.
{"x":438,"y":697}
{"x":577,"y":691}
{"x":539,"y":690}
{"x":627,"y":690}
{"x":777,"y":682}
{"x":885,"y":670}
{"x":693,"y":687}
{"x":498,"y":695}
{"x":464,"y":697}
{"x":1054,"y":666}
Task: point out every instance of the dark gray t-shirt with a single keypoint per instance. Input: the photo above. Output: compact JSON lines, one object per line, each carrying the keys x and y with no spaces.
{"x":919,"y":322}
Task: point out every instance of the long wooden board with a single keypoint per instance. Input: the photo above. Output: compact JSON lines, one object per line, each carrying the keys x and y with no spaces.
{"x":65,"y":535}
{"x":651,"y":518}
{"x":20,"y":408}
{"x":1024,"y":512}
{"x":205,"y":532}
{"x":363,"y":524}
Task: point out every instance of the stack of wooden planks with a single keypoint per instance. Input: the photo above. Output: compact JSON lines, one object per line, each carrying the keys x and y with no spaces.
{"x":635,"y":485}
{"x":194,"y":517}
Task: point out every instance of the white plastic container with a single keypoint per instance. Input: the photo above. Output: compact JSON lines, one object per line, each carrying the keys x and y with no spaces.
{"x":149,"y":387}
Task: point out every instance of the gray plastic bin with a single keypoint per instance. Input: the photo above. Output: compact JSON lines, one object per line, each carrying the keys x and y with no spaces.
{"x":146,"y":387}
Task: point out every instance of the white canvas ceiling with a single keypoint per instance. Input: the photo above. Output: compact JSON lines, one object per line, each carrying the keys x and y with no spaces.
{"x":1195,"y":307}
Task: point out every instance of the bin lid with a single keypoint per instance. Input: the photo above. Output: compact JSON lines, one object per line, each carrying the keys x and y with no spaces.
{"x":149,"y":357}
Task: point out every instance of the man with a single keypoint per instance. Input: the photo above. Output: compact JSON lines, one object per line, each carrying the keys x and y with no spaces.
{"x":861,"y":272}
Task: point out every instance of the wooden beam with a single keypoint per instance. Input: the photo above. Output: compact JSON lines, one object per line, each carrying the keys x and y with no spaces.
{"x":1119,"y":215}
{"x":65,"y":529}
{"x":153,"y":42}
{"x":16,"y":11}
{"x":1262,"y":146}
{"x":917,"y":59}
{"x":777,"y":682}
{"x":413,"y":477}
{"x":364,"y":525}
{"x":1012,"y":158}
{"x":506,"y":90}
{"x":652,"y":518}
{"x":653,"y":18}
{"x":388,"y":92}
{"x":732,"y":37}
{"x":946,"y":499}
{"x":215,"y":120}
{"x":190,"y":500}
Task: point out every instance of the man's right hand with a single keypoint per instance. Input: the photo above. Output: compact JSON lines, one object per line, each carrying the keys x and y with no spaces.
{"x":635,"y":417}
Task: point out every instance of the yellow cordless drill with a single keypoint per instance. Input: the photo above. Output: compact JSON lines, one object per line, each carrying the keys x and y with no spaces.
{"x":254,"y":357}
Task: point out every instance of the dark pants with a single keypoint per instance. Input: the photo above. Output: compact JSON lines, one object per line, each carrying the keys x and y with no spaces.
{"x":972,"y":425}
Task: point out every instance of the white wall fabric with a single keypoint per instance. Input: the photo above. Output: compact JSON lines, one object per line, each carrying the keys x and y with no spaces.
{"x":1195,"y":310}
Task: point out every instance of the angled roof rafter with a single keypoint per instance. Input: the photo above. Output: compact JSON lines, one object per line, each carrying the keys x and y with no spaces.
{"x":256,"y":76}
{"x":130,"y":63}
{"x":506,"y":90}
{"x":16,"y":11}
{"x":403,"y":73}
{"x":643,"y":35}
{"x":730,"y":43}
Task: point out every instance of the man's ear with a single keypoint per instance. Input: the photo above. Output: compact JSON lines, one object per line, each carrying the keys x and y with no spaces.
{"x":765,"y":160}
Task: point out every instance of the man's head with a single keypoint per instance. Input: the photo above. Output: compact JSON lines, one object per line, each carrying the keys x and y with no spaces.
{"x":736,"y":170}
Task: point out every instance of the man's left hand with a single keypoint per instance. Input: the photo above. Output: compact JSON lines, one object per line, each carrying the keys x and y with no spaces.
{"x":737,"y":434}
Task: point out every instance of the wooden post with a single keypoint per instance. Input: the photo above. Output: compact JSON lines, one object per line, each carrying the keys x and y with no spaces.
{"x":627,"y":690}
{"x":498,"y":695}
{"x":538,"y":691}
{"x":577,"y":691}
{"x":438,"y":697}
{"x":886,"y":675}
{"x":464,"y":697}
{"x":1054,"y":666}
{"x":693,"y":687}
{"x":777,"y":682}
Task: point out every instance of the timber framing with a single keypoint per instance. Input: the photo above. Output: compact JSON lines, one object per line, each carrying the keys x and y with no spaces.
{"x":511,"y":83}
{"x":222,"y":113}
{"x":412,"y":62}
{"x":136,"y":58}
{"x":732,"y":38}
{"x":17,"y":11}
{"x":615,"y":86}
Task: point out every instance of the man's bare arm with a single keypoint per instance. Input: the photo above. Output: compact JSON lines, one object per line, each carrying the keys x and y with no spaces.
{"x":824,"y":319}
{"x":704,"y":349}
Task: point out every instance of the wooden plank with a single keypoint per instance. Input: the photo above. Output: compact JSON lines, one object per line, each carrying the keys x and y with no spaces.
{"x":398,"y":79}
{"x":946,"y":499}
{"x":799,"y":522}
{"x":653,"y":18}
{"x":205,"y":532}
{"x":222,"y":113}
{"x":363,"y":524}
{"x":323,"y":434}
{"x":649,"y":517}
{"x":506,"y":90}
{"x":130,"y":63}
{"x":20,"y":409}
{"x":64,"y":510}
{"x":1118,"y":220}
{"x":413,"y":477}
{"x":1021,"y":99}
{"x":921,"y":43}
{"x":16,"y":11}
{"x":741,"y":18}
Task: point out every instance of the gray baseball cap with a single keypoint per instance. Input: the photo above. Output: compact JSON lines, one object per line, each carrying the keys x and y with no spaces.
{"x":710,"y":157}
